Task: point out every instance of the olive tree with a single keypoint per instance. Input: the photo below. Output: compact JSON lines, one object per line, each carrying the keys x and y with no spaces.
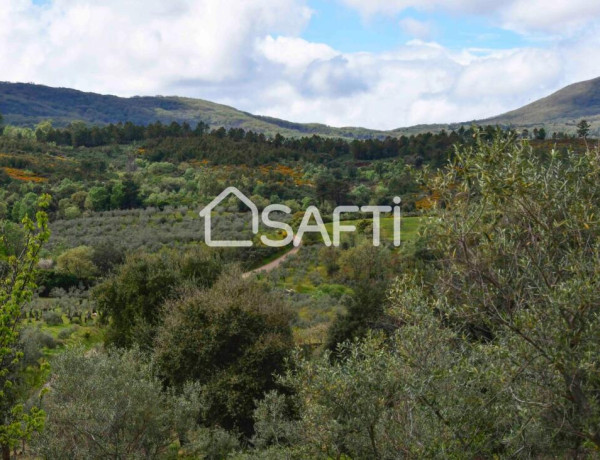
{"x":111,"y":405}
{"x":518,"y":238}
{"x":497,"y":344}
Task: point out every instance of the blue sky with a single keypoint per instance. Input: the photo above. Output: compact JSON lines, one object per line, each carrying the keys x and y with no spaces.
{"x":347,"y":30}
{"x":377,"y":63}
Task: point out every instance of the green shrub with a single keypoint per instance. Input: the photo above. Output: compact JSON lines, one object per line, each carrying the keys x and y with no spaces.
{"x":51,"y":318}
{"x":133,"y":296}
{"x":66,"y":333}
{"x":232,"y":339}
{"x":120,"y":408}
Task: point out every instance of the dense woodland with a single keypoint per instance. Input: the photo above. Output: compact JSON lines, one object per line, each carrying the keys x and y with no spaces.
{"x":124,"y":336}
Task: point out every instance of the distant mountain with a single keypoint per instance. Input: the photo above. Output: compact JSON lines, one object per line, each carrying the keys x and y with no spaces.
{"x":27,"y":104}
{"x":560,"y":111}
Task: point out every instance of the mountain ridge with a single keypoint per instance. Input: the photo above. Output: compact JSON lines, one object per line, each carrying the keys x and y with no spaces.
{"x":26,"y":104}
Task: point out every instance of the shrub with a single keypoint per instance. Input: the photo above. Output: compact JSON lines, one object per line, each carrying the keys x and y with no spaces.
{"x":133,"y":296}
{"x":120,"y":408}
{"x":51,"y":318}
{"x":77,"y":262}
{"x":66,"y":333}
{"x":49,"y":280}
{"x":232,"y":339}
{"x":33,"y":340}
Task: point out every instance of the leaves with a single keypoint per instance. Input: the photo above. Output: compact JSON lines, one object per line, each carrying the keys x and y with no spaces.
{"x":16,"y":288}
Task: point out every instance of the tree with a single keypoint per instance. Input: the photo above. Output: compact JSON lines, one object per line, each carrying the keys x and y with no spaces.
{"x":130,"y":193}
{"x":541,"y":134}
{"x":107,"y":255}
{"x":366,"y":263}
{"x":367,"y":268}
{"x":124,"y":194}
{"x":518,"y":258}
{"x":583,"y":129}
{"x":111,"y":406}
{"x":117,"y":195}
{"x":412,"y":396}
{"x":231,"y":339}
{"x":16,"y":288}
{"x":364,"y":312}
{"x":25,"y":207}
{"x":97,"y":199}
{"x":42,"y":129}
{"x":496,"y":347}
{"x":133,"y":296}
{"x":77,"y":262}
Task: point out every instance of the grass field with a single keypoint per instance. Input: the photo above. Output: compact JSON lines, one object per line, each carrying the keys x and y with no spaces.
{"x":408,"y":229}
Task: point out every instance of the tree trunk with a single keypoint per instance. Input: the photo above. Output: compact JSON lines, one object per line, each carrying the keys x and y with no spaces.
{"x":5,"y":452}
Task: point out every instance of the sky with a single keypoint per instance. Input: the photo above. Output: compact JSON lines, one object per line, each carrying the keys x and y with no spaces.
{"x":380,"y":64}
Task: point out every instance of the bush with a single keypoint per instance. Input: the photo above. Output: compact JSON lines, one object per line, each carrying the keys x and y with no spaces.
{"x":66,"y":333}
{"x":49,"y":280}
{"x":32,"y":341}
{"x":120,"y":408}
{"x":232,"y":339}
{"x":211,"y":443}
{"x":133,"y":296}
{"x":51,"y":318}
{"x":78,"y":262}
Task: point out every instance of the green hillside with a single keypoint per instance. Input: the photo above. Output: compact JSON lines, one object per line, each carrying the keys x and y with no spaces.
{"x":559,"y":111}
{"x":25,"y":104}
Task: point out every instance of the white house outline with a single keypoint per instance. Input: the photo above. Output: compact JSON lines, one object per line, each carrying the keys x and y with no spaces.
{"x":206,"y":213}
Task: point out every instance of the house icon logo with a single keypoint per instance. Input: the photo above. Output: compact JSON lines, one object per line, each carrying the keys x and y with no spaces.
{"x":206,"y":213}
{"x":311,"y":213}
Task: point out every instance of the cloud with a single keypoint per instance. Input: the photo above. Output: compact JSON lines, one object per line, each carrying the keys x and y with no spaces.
{"x":416,"y":28}
{"x":249,"y":54}
{"x":139,"y":46}
{"x":426,"y":83}
{"x":294,"y":54}
{"x":524,"y":16}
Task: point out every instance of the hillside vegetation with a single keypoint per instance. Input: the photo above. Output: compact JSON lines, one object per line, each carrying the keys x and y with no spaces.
{"x":125,"y":336}
{"x":560,"y":111}
{"x":28,"y":104}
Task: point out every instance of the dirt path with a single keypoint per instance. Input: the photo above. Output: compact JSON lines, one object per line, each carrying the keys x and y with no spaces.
{"x":274,"y":263}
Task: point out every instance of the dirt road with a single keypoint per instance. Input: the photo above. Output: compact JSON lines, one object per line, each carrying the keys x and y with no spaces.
{"x":274,"y":263}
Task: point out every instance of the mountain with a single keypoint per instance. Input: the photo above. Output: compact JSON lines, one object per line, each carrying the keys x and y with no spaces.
{"x":25,"y":104}
{"x":560,"y":111}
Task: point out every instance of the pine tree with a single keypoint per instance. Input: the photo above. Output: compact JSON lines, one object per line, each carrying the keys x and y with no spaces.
{"x":583,"y":129}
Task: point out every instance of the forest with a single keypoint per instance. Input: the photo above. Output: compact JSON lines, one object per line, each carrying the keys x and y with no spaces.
{"x":123,"y":335}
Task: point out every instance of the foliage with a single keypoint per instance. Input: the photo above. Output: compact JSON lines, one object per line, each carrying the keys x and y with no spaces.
{"x":519,"y":237}
{"x":77,"y":262}
{"x":131,"y":299}
{"x":52,"y":318}
{"x":496,"y":345}
{"x":583,"y":129}
{"x":16,"y":288}
{"x":110,"y":406}
{"x":364,"y":312}
{"x":231,"y":339}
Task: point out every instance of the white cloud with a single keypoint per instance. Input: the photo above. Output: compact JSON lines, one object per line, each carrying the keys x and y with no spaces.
{"x":525,"y":16}
{"x":295,"y":54}
{"x":248,"y":54}
{"x":416,"y":28}
{"x":139,"y":46}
